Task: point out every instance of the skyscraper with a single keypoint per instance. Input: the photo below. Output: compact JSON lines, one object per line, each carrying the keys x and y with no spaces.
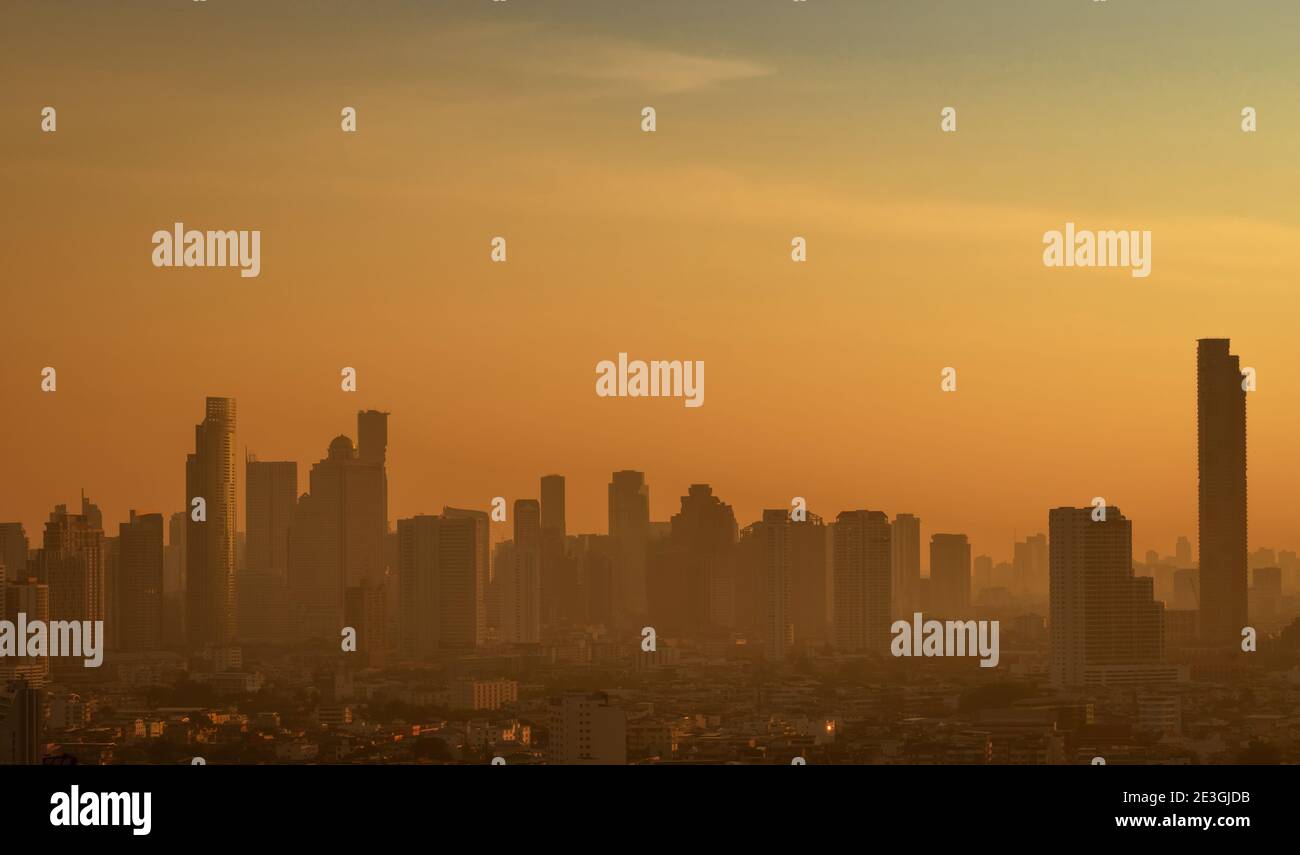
{"x":905,"y":565}
{"x":270,"y":494}
{"x":553,"y":505}
{"x":521,"y":606}
{"x":483,"y":567}
{"x":210,"y":541}
{"x":695,"y":589}
{"x":775,"y":548}
{"x":336,"y":540}
{"x":439,"y":575}
{"x":558,"y":573}
{"x":22,"y":720}
{"x":73,"y":561}
{"x":1106,"y":626}
{"x":629,"y":527}
{"x":1221,"y":495}
{"x":862,"y":573}
{"x":1030,"y":566}
{"x":140,"y":583}
{"x":949,"y":574}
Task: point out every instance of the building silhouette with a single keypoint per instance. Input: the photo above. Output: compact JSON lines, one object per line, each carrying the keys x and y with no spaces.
{"x":521,"y":592}
{"x":1106,"y":626}
{"x":1221,"y":493}
{"x":586,"y":729}
{"x":629,"y":528}
{"x":862,"y":571}
{"x":210,"y":599}
{"x":22,"y":719}
{"x":439,"y":575}
{"x":949,"y":574}
{"x":905,"y":565}
{"x":337,"y":537}
{"x":482,"y":565}
{"x":270,"y":495}
{"x":139,"y":583}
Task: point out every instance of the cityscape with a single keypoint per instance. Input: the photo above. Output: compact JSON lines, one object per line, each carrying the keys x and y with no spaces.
{"x":326,"y":631}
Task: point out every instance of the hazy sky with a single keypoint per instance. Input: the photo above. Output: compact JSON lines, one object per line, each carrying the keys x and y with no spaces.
{"x":775,"y":119}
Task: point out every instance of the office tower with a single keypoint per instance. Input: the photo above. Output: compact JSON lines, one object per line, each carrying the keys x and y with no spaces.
{"x":862,"y":570}
{"x":629,"y":526}
{"x":594,"y":554}
{"x":13,"y":550}
{"x":1106,"y":627}
{"x":905,"y":565}
{"x":503,"y":560}
{"x":1030,"y":567}
{"x":440,"y":574}
{"x":586,"y":730}
{"x":774,"y":533}
{"x":270,"y":495}
{"x":210,"y":552}
{"x":553,"y":504}
{"x":174,"y":581}
{"x":521,"y":606}
{"x":559,"y":578}
{"x":1183,"y":552}
{"x":74,"y":563}
{"x":22,"y":721}
{"x":336,"y":540}
{"x":950,"y":575}
{"x":809,"y":580}
{"x":139,"y":582}
{"x":982,"y":575}
{"x":483,"y":566}
{"x":1221,"y":463}
{"x":694,"y":589}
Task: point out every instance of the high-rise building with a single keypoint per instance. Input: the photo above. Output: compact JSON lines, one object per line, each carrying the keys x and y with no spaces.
{"x":862,"y":570}
{"x":560,"y":601}
{"x":553,"y":504}
{"x":949,"y":574}
{"x":905,"y":565}
{"x":521,"y":593}
{"x":440,"y":577}
{"x":695,"y":589}
{"x":1221,"y":505}
{"x":483,"y":565}
{"x":981,"y":575}
{"x":809,"y":580}
{"x":22,"y":721}
{"x":1030,"y":567}
{"x":775,"y":548}
{"x":586,"y":730}
{"x":629,"y":527}
{"x":13,"y":550}
{"x":364,"y":611}
{"x":139,"y":582}
{"x":32,"y":598}
{"x":270,"y":495}
{"x":210,"y":540}
{"x":1183,"y":552}
{"x":336,"y":540}
{"x":74,"y":563}
{"x":1106,"y":626}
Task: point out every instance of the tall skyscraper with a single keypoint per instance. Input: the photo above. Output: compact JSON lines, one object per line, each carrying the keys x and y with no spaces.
{"x":336,"y":540}
{"x":270,"y":495}
{"x":521,"y":592}
{"x":13,"y":549}
{"x":1183,"y":552}
{"x":1106,"y":626}
{"x":139,"y":625}
{"x":629,"y":526}
{"x":22,"y":720}
{"x":483,"y":566}
{"x":862,"y":571}
{"x":775,"y":548}
{"x":949,"y":575}
{"x":695,"y":589}
{"x":440,"y":576}
{"x":210,"y":542}
{"x":74,"y":563}
{"x":905,"y":565}
{"x":809,"y":580}
{"x":559,"y":577}
{"x":1221,"y":504}
{"x":32,"y":598}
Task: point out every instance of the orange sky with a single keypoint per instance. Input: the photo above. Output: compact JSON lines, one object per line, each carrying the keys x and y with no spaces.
{"x":522,"y":120}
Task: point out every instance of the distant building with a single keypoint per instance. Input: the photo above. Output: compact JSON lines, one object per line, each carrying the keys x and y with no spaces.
{"x":210,"y":553}
{"x":862,"y":568}
{"x":949,"y":574}
{"x":139,"y":583}
{"x":586,"y":730}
